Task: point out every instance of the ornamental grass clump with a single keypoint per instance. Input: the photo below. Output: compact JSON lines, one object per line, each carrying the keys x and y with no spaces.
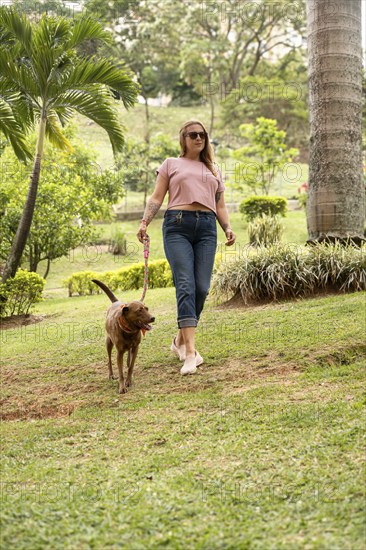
{"x":265,"y":230}
{"x":282,"y":271}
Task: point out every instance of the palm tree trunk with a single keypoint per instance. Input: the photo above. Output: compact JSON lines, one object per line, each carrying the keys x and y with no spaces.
{"x":25,"y":223}
{"x":336,"y":203}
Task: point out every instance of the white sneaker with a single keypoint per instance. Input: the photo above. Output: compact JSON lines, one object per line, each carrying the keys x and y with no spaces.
{"x":178,"y":350}
{"x":199,"y":359}
{"x":191,"y":364}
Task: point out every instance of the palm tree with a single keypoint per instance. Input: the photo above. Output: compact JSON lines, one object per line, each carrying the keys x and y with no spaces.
{"x":41,"y":66}
{"x":336,"y":200}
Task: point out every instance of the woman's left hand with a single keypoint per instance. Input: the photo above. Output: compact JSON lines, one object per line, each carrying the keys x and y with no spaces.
{"x":230,"y":236}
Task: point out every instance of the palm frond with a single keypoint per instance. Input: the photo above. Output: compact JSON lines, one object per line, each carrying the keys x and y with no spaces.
{"x":101,"y":71}
{"x":48,"y":47}
{"x":87,"y":28}
{"x":21,"y":108}
{"x":20,"y":74}
{"x":96,"y":105}
{"x":16,"y":26}
{"x":13,"y":131}
{"x":64,"y":115}
{"x":51,"y":33}
{"x":54,"y":132}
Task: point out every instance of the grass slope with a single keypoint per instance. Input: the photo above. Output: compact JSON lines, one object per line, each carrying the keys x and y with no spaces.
{"x":262,"y":449}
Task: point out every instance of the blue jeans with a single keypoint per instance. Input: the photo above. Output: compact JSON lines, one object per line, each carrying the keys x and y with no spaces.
{"x":190,"y":239}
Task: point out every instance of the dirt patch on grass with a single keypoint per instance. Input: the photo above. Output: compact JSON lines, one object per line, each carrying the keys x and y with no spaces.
{"x":29,"y":396}
{"x":15,"y":321}
{"x":234,"y":375}
{"x":38,"y":411}
{"x":44,"y":400}
{"x":29,"y":393}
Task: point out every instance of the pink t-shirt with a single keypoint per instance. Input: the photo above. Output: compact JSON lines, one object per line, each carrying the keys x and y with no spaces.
{"x":190,"y":181}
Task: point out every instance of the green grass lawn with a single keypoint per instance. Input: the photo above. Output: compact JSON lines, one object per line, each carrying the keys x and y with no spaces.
{"x":262,"y":449}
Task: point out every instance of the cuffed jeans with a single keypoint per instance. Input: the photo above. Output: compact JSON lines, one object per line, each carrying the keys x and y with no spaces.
{"x":190,"y":239}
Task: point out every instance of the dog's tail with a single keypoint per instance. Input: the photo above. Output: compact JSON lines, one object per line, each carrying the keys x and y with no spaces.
{"x":107,"y":290}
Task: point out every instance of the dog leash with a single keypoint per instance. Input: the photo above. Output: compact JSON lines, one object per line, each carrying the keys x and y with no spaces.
{"x":146,"y":270}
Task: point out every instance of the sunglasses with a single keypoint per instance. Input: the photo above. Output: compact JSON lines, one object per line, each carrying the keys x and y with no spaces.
{"x":194,"y":135}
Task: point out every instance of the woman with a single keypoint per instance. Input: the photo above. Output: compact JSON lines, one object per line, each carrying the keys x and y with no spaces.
{"x":196,"y":199}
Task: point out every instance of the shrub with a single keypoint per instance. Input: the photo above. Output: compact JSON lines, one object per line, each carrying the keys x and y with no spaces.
{"x":21,"y":293}
{"x":127,"y":278}
{"x":282,"y":271}
{"x":258,"y":205}
{"x":302,"y":198}
{"x":132,"y":277}
{"x":118,"y":244}
{"x":265,"y":230}
{"x":303,"y":194}
{"x":81,"y":283}
{"x":160,"y":275}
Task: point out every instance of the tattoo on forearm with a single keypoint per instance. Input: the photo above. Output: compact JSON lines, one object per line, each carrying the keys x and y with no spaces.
{"x":218,"y":195}
{"x":151,"y":209}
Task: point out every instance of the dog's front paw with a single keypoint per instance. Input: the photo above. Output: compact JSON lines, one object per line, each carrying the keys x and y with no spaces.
{"x":122,"y":389}
{"x":128,"y":383}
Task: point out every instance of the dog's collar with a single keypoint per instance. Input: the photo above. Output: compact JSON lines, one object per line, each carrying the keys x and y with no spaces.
{"x":126,"y":327}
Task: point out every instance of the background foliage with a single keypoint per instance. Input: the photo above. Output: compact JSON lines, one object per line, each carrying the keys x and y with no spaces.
{"x":74,"y":192}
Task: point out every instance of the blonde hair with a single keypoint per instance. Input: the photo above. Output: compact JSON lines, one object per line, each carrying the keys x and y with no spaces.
{"x":207,"y":154}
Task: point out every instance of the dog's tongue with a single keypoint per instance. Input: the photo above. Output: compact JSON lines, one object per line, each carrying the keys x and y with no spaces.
{"x":144,"y":328}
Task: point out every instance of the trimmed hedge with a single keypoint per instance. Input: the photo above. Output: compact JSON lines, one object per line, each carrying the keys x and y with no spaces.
{"x":20,"y":293}
{"x":127,"y":278}
{"x":258,"y":205}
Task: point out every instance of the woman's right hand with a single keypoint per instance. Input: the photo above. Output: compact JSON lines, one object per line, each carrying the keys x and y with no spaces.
{"x":141,"y":234}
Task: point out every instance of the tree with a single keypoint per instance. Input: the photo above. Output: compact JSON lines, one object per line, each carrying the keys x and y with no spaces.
{"x":233,"y":38}
{"x":137,"y":154}
{"x":208,"y":45}
{"x":259,"y":162}
{"x":200,"y":67}
{"x":335,"y":205}
{"x":73,"y":192}
{"x":277,"y":91}
{"x":42,"y":62}
{"x":146,"y":34}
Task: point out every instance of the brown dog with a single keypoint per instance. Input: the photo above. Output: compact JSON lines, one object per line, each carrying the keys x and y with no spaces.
{"x":124,"y":325}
